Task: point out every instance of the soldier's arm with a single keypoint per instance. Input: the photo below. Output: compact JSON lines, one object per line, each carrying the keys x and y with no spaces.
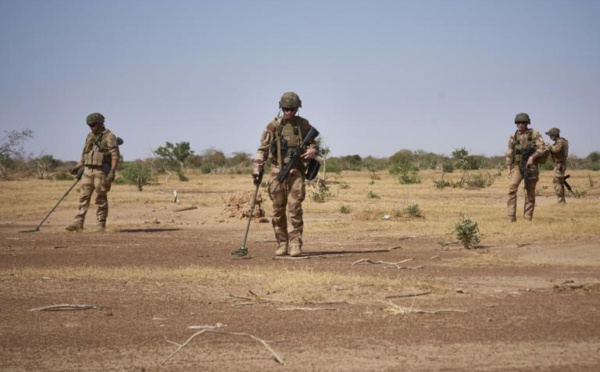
{"x":510,"y":154}
{"x":540,"y":148}
{"x":113,"y":150}
{"x":262,"y":153}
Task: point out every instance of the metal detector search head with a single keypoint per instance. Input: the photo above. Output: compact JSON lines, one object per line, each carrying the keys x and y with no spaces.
{"x":243,"y":251}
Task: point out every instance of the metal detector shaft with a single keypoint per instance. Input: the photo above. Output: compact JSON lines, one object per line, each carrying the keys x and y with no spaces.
{"x":243,"y":250}
{"x":250,"y":217}
{"x":61,"y":199}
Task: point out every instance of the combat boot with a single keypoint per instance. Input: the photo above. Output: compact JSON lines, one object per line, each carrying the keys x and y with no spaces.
{"x":100,"y":227}
{"x":295,"y":250}
{"x":282,"y":250}
{"x":75,"y":226}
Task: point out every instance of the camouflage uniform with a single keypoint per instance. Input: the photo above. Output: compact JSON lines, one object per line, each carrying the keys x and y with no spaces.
{"x":517,"y":144}
{"x":277,"y":141}
{"x":559,"y":152}
{"x":100,"y":156}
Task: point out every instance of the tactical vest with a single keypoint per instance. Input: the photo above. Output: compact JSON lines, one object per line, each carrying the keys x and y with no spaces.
{"x":95,"y":152}
{"x":288,"y":136}
{"x":521,"y":142}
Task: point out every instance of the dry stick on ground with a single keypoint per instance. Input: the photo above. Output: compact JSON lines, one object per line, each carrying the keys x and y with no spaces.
{"x":396,"y":309}
{"x":186,"y":208}
{"x":255,"y":299}
{"x":313,"y":255}
{"x":305,"y":308}
{"x":394,"y":264}
{"x":63,"y":307}
{"x":409,"y":294}
{"x":265,"y":344}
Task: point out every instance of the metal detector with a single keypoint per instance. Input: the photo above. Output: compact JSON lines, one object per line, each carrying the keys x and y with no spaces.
{"x":77,"y":178}
{"x":242,"y":251}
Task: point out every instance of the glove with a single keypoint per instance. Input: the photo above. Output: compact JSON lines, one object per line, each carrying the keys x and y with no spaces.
{"x":257,"y":177}
{"x":110,"y":177}
{"x":74,"y":170}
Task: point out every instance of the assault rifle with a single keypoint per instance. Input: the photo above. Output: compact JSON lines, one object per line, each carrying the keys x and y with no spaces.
{"x":295,"y":155}
{"x":527,"y":173}
{"x":564,"y":181}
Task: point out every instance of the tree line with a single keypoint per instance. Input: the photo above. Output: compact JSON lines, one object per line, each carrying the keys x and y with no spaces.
{"x":178,"y":158}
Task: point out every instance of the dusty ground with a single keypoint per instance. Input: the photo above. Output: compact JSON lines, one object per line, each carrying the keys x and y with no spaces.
{"x":531,"y":306}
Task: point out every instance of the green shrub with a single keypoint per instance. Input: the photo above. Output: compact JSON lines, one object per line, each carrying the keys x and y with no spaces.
{"x":63,"y":176}
{"x":137,"y":173}
{"x":413,"y":210}
{"x":372,"y":195}
{"x":182,"y":177}
{"x":467,"y":232}
{"x":479,"y":181}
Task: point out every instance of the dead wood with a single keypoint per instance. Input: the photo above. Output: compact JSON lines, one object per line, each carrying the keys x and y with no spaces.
{"x":214,"y":330}
{"x":305,"y":308}
{"x":63,"y":307}
{"x":396,"y":309}
{"x":409,"y":294}
{"x":185,"y":209}
{"x":254,"y":299}
{"x":389,"y":264}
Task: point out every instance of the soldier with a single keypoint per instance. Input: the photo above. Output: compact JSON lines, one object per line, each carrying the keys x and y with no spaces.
{"x":280,"y":138}
{"x":525,"y":148}
{"x":559,"y":152}
{"x":100,"y":158}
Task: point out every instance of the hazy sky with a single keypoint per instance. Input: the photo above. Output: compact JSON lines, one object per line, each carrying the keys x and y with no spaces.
{"x":374,"y":76}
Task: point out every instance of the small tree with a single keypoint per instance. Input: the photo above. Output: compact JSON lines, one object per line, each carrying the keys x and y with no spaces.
{"x":11,"y":147}
{"x":174,"y":155}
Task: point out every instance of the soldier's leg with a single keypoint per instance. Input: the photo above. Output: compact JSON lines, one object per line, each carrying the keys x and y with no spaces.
{"x":530,"y":198}
{"x":101,"y":200}
{"x":559,"y":186}
{"x":295,"y":199}
{"x":87,"y":188}
{"x":513,"y":187}
{"x":278,"y":196}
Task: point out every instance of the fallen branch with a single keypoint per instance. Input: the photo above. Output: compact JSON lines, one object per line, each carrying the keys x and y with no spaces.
{"x":186,"y":209}
{"x":409,"y":294}
{"x":63,"y":307}
{"x":213,"y":330}
{"x":396,"y":309}
{"x":305,"y":308}
{"x":366,"y":260}
{"x":253,"y":300}
{"x":394,"y":264}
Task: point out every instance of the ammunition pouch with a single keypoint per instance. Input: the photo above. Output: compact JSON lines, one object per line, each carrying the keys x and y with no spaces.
{"x":530,"y":175}
{"x":284,"y":148}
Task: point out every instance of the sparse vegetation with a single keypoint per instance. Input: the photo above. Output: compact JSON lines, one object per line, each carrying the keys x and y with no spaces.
{"x":372,"y":195}
{"x":413,"y":210}
{"x":467,"y":232}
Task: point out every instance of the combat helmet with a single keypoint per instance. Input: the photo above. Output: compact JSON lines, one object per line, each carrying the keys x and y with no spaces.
{"x":522,"y":117}
{"x":96,"y":117}
{"x":553,"y":132}
{"x":290,"y":100}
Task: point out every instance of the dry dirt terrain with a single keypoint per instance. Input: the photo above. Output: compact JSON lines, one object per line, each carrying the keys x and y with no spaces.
{"x":159,"y":291}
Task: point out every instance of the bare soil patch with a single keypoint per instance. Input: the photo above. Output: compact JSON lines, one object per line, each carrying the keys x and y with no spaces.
{"x":158,"y":276}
